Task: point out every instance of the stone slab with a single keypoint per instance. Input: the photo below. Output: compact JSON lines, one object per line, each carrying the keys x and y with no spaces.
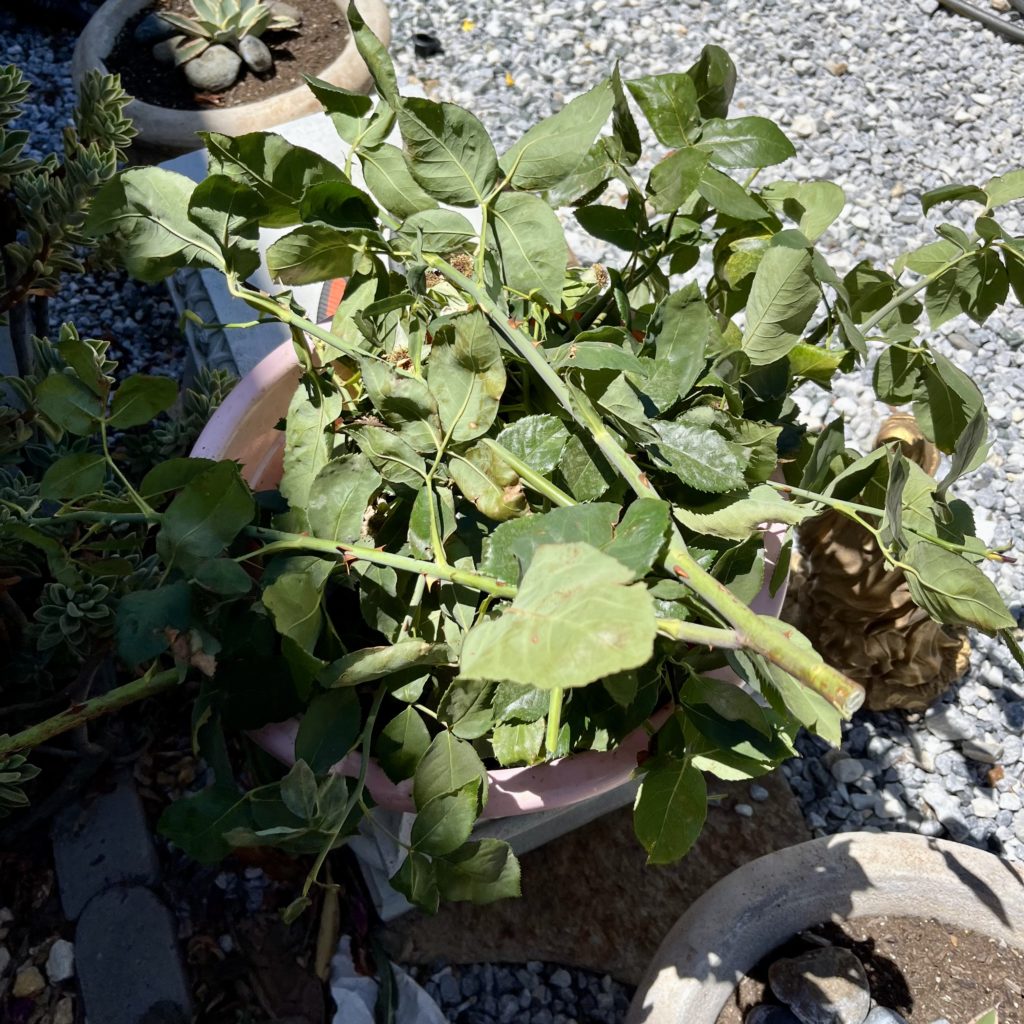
{"x":101,"y":843}
{"x":128,"y":964}
{"x":589,"y":898}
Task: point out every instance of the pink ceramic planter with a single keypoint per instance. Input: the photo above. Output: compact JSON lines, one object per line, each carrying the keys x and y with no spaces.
{"x":243,"y":429}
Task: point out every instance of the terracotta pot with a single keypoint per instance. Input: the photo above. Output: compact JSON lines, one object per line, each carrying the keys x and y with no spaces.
{"x":176,"y":130}
{"x":746,"y":915}
{"x":243,"y":429}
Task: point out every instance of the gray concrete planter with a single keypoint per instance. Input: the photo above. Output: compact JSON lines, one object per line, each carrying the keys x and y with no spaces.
{"x":167,"y":129}
{"x":842,"y":877}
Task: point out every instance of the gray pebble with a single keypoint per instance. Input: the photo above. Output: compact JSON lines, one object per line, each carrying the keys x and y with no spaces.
{"x":758,"y":793}
{"x":256,"y":54}
{"x":214,"y":70}
{"x":881,"y":1015}
{"x":153,"y":29}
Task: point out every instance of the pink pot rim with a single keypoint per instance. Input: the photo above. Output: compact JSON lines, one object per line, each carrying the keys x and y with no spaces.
{"x":550,"y":785}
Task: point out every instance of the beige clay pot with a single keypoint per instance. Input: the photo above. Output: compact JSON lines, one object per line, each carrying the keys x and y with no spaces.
{"x":164,"y":128}
{"x":842,"y":877}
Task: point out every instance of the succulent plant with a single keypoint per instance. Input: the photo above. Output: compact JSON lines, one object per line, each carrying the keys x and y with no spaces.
{"x":14,"y":772}
{"x":75,"y":617}
{"x":227,"y":22}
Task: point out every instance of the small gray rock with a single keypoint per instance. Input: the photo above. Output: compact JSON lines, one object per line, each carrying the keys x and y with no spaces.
{"x":824,"y":986}
{"x":882,"y":1015}
{"x":279,"y":7}
{"x":847,"y":769}
{"x":60,"y":964}
{"x":561,"y":978}
{"x":214,"y":70}
{"x":758,"y":793}
{"x":986,"y":751}
{"x":256,"y":54}
{"x":163,"y":52}
{"x":153,"y":29}
{"x":949,"y":723}
{"x":744,"y":810}
{"x":770,"y":1015}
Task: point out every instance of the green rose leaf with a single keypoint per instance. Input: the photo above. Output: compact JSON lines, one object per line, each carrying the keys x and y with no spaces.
{"x":450,"y":154}
{"x":449,"y":765}
{"x":670,"y":809}
{"x":953,"y":590}
{"x":682,"y":328}
{"x":405,"y":403}
{"x":945,"y":401}
{"x":536,"y":440}
{"x":229,"y":211}
{"x":293,"y":588}
{"x":783,"y":297}
{"x":610,"y":224}
{"x":329,"y":729}
{"x":401,"y":744}
{"x":574,"y":620}
{"x":143,"y":618}
{"x":139,"y":399}
{"x":740,"y":518}
{"x":951,"y":194}
{"x":518,"y":744}
{"x":445,"y":822}
{"x":387,"y":175}
{"x":488,"y":483}
{"x":308,"y":446}
{"x":204,"y":517}
{"x":69,"y":403}
{"x":278,"y":172}
{"x":530,"y":239}
{"x":416,"y":880}
{"x":197,"y":824}
{"x":674,"y":179}
{"x":298,"y":791}
{"x":551,"y":150}
{"x":1007,"y":188}
{"x":392,"y":456}
{"x":148,"y":209}
{"x":699,"y":456}
{"x":74,"y":476}
{"x":370,"y":663}
{"x":714,"y":77}
{"x":728,"y":196}
{"x":813,"y":205}
{"x":479,"y":872}
{"x":440,"y":231}
{"x":466,"y":375}
{"x":375,"y":54}
{"x":340,"y":204}
{"x":339,"y":497}
{"x":669,"y":102}
{"x":223,"y":576}
{"x":316,"y":252}
{"x":744,"y":142}
{"x":347,"y":110}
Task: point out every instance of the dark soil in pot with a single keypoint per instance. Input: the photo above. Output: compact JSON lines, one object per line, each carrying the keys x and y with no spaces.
{"x":308,"y":50}
{"x":920,"y":968}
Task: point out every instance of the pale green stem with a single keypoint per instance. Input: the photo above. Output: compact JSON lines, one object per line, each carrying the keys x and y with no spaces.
{"x":79,"y":714}
{"x":531,"y":477}
{"x":282,"y":542}
{"x":699,"y":634}
{"x":554,"y":719}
